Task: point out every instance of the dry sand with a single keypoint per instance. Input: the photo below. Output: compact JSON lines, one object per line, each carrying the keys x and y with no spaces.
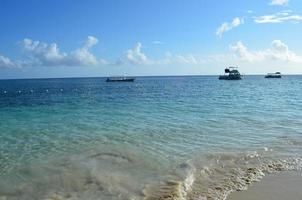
{"x":281,"y":186}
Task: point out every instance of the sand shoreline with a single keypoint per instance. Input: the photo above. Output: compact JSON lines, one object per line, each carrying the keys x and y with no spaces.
{"x":276,"y":186}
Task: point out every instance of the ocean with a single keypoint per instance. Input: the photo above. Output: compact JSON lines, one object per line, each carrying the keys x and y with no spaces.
{"x":176,"y":138}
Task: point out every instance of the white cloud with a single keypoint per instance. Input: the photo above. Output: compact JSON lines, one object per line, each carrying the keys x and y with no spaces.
{"x":90,"y":42}
{"x":83,"y":56}
{"x":5,"y":62}
{"x":279,"y":51}
{"x":135,"y":55}
{"x":242,"y":52}
{"x":229,"y":26}
{"x":281,"y":17}
{"x":279,"y":2}
{"x":43,"y":54}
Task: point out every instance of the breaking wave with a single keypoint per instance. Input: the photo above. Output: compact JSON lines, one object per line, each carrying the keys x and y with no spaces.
{"x":222,"y":175}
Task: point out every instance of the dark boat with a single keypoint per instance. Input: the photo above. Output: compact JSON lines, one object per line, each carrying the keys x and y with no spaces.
{"x":273,"y":75}
{"x":230,"y":73}
{"x":120,"y":79}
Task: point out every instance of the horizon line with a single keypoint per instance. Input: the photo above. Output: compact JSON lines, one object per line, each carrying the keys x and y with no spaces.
{"x":136,"y":76}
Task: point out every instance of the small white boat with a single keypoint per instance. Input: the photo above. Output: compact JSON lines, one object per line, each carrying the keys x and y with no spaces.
{"x":273,"y":75}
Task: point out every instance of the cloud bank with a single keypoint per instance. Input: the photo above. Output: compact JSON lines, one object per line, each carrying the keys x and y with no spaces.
{"x":49,"y":55}
{"x":43,"y":54}
{"x":278,"y":51}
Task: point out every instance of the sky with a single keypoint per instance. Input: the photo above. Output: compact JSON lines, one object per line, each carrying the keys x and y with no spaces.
{"x":92,"y":38}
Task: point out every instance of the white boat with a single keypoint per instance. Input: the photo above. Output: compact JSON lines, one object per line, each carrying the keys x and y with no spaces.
{"x":273,"y":75}
{"x":231,"y":73}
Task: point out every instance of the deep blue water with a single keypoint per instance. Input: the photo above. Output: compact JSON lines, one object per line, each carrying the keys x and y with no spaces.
{"x":139,"y":132}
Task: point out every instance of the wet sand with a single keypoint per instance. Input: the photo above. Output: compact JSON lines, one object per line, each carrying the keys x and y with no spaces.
{"x":281,"y":186}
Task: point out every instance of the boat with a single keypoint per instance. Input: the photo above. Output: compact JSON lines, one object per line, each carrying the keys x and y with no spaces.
{"x":273,"y":75}
{"x":231,"y":73}
{"x":120,"y":79}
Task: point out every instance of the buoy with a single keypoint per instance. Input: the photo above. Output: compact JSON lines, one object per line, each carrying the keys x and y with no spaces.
{"x":61,"y":90}
{"x":31,"y":91}
{"x":19,"y":91}
{"x":46,"y":90}
{"x":5,"y":92}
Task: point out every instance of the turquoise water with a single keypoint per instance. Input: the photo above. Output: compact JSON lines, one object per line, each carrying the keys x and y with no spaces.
{"x":155,"y":138}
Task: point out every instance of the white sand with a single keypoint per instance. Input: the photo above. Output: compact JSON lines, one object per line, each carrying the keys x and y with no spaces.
{"x":281,"y":186}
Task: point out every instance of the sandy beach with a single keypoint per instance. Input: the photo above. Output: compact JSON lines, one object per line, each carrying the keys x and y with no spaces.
{"x":284,"y":185}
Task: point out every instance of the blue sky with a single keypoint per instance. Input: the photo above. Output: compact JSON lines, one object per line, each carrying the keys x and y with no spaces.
{"x":70,"y":38}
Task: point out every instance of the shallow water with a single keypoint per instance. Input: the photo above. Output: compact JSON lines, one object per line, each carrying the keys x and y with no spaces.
{"x":156,"y":138}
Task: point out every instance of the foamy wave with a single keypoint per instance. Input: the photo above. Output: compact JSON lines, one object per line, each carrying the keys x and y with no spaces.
{"x":217,"y":181}
{"x":222,"y":175}
{"x":173,"y":189}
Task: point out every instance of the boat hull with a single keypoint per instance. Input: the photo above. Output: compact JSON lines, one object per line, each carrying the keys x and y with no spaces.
{"x":120,"y":80}
{"x":228,"y":77}
{"x":274,"y":76}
